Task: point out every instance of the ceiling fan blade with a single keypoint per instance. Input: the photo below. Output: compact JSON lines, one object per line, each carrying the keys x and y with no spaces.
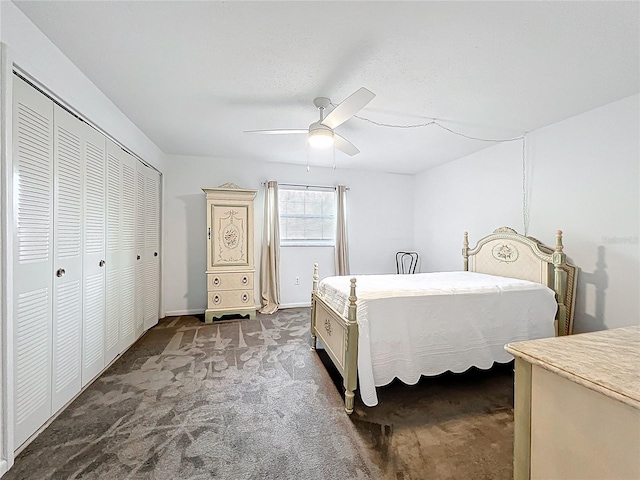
{"x":280,"y":131}
{"x":344,"y":145}
{"x":348,"y":108}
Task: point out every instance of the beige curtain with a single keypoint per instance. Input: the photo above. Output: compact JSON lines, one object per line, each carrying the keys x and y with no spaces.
{"x":342,"y":245}
{"x":270,"y":260}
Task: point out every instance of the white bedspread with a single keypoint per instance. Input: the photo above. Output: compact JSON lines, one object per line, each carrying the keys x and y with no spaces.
{"x":428,"y":323}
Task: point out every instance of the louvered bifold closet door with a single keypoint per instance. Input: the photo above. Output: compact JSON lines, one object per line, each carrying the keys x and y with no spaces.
{"x":152,"y":248}
{"x":113,"y":269}
{"x":67,"y":282}
{"x":32,"y":258}
{"x":127,"y":253}
{"x":140,"y":246}
{"x":93,"y":338}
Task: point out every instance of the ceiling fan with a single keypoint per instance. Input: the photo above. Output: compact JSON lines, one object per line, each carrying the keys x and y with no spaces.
{"x":321,"y":134}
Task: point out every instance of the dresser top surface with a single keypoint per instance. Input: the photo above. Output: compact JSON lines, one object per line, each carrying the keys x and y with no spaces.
{"x":607,"y":361}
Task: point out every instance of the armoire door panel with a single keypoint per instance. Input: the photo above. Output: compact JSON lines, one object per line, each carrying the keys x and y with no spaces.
{"x":33,"y":133}
{"x":67,"y":247}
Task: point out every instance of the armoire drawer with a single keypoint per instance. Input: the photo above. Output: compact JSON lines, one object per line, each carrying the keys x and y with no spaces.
{"x":231,"y":299}
{"x":229,"y":281}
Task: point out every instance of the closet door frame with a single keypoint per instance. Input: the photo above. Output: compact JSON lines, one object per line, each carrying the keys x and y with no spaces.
{"x":6,"y":260}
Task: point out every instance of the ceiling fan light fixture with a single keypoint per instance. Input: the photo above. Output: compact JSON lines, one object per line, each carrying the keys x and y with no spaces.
{"x":321,"y":138}
{"x":320,"y":134}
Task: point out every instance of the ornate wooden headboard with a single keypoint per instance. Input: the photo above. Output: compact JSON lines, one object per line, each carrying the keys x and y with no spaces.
{"x":509,"y":254}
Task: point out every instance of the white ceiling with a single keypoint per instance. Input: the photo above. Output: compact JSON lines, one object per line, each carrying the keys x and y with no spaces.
{"x":194,"y":75}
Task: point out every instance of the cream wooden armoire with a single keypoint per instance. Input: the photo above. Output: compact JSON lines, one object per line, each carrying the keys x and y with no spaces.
{"x":230,"y":259}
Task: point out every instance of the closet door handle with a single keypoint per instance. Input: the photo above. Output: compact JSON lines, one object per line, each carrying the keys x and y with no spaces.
{"x":155,"y":254}
{"x":137,"y":257}
{"x":60,"y":272}
{"x":102,"y":263}
{"x":209,"y":234}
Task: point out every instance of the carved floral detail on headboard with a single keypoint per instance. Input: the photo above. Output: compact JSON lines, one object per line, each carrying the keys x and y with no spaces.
{"x":505,"y":252}
{"x":505,"y":230}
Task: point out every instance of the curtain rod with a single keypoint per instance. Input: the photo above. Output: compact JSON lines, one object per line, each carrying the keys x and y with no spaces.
{"x":325,"y":187}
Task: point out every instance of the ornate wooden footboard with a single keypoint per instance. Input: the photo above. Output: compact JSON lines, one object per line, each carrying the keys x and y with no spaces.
{"x":503,"y":253}
{"x":339,"y":335}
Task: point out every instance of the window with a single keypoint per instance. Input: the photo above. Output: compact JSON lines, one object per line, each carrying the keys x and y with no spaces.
{"x":307,"y":216}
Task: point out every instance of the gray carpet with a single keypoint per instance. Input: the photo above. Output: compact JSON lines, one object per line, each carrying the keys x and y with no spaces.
{"x":245,"y":399}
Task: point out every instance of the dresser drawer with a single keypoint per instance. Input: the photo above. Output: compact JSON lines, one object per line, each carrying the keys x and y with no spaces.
{"x":229,"y":281}
{"x":231,"y":299}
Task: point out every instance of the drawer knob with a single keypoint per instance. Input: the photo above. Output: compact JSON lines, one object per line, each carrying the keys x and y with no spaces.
{"x":216,"y":299}
{"x":245,"y":280}
{"x":245,"y":297}
{"x":216,"y":281}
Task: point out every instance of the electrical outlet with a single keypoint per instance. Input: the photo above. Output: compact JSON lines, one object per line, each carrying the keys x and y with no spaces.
{"x":296,"y":281}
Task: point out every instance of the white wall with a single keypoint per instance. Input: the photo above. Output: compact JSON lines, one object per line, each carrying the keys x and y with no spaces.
{"x":34,"y":53}
{"x":583,"y":177}
{"x":380,"y":211}
{"x":27,"y":48}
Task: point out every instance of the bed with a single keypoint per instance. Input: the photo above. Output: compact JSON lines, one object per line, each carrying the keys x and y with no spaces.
{"x":379,"y":327}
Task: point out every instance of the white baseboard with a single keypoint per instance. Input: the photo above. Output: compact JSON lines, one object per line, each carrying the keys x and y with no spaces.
{"x":295,"y":305}
{"x":177,"y":313}
{"x":4,"y":466}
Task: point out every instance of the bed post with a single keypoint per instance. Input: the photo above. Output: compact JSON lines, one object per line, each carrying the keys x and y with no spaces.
{"x":559,"y":259}
{"x":465,"y":251}
{"x":351,"y":364}
{"x":314,"y":291}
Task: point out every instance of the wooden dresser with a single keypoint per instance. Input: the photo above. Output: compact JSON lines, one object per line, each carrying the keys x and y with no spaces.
{"x":230,"y":259}
{"x":577,"y":406}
